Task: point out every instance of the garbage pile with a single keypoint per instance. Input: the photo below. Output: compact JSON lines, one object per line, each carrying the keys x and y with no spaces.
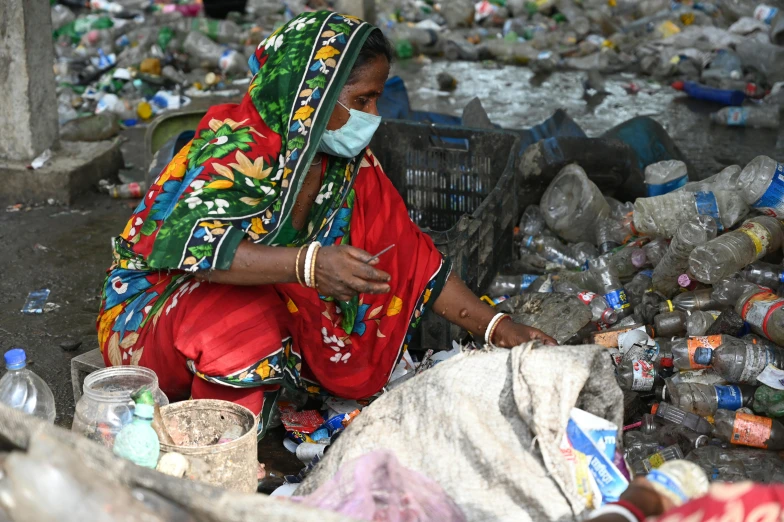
{"x":684,"y":290}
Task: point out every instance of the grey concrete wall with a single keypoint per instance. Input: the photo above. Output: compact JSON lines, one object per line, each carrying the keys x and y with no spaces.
{"x":28,"y":103}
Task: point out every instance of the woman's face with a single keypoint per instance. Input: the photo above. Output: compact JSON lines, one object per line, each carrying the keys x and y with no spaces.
{"x":363,"y":93}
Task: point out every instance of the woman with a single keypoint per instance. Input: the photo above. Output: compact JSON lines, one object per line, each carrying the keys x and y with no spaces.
{"x":219,"y":285}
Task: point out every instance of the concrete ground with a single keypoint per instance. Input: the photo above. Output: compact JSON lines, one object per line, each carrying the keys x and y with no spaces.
{"x":68,"y":249}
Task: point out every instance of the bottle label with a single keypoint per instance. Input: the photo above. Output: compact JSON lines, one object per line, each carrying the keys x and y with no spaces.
{"x":737,"y":116}
{"x":224,"y":62}
{"x":526,"y":281}
{"x":707,"y":206}
{"x":729,"y":397}
{"x":586,"y":297}
{"x":665,"y":188}
{"x":649,"y":273}
{"x":773,"y":377}
{"x":781,"y":277}
{"x":751,"y":430}
{"x":617,"y":300}
{"x":765,"y":13}
{"x":699,"y":349}
{"x":656,"y":460}
{"x":665,"y":481}
{"x":643,"y":374}
{"x":758,"y":309}
{"x":772,"y":201}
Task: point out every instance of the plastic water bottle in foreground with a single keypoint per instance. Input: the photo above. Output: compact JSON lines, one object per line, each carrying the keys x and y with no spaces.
{"x":552,"y":249}
{"x":23,"y":390}
{"x":572,"y":204}
{"x":679,"y":481}
{"x":756,"y":117}
{"x":764,"y":274}
{"x":705,"y":399}
{"x":762,"y":185}
{"x":138,"y":441}
{"x":725,"y":255}
{"x":661,"y":216}
{"x":695,"y":232}
{"x":743,"y":429}
{"x":510,"y":284}
{"x":665,"y":176}
{"x":739,"y":361}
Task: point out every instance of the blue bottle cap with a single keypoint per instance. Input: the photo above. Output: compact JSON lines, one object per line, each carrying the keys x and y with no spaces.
{"x":15,"y":358}
{"x":703,"y":356}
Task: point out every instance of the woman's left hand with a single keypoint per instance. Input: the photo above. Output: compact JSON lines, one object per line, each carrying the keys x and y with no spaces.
{"x":508,"y":334}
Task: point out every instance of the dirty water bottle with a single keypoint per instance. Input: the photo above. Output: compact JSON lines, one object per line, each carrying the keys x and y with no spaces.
{"x":656,"y":460}
{"x":700,"y":321}
{"x":510,"y":284}
{"x":138,"y":441}
{"x":641,"y":375}
{"x":701,"y":299}
{"x":727,"y":179}
{"x":23,"y":390}
{"x":601,"y":312}
{"x":532,"y":222}
{"x":764,"y":274}
{"x":733,"y":251}
{"x":755,"y":117}
{"x":676,"y":416}
{"x":743,"y":429}
{"x":679,"y":481}
{"x":705,"y":399}
{"x":694,"y":232}
{"x":684,"y":351}
{"x":670,"y":323}
{"x":762,"y":310}
{"x":584,"y":253}
{"x":609,"y":285}
{"x":727,"y":291}
{"x":639,"y":286}
{"x":739,"y":361}
{"x":661,"y":216}
{"x":655,"y":251}
{"x":762,"y":185}
{"x":665,"y":176}
{"x":551,"y":249}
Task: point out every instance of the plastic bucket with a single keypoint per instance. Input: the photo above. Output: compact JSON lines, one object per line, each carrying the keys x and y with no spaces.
{"x":197,"y":425}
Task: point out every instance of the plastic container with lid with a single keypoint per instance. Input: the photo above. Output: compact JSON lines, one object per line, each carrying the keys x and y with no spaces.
{"x":23,"y":390}
{"x":106,"y":405}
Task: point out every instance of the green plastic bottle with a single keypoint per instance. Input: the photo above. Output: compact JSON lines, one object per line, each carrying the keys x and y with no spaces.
{"x":138,"y":441}
{"x":769,"y":401}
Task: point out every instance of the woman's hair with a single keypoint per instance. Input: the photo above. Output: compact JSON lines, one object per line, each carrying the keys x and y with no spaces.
{"x":376,"y":45}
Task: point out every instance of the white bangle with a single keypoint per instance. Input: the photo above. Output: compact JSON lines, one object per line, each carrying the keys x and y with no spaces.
{"x":308,"y":259}
{"x":614,"y":509}
{"x":492,"y":326}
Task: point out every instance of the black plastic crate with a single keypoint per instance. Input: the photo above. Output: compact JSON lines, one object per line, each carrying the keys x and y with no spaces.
{"x":458,"y":184}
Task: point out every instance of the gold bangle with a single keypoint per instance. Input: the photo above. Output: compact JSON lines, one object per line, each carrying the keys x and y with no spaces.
{"x":313,"y":266}
{"x":296,"y":265}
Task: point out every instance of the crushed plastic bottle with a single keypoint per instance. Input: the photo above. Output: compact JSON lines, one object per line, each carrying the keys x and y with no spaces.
{"x":665,"y":176}
{"x":661,"y":216}
{"x":739,"y":361}
{"x":676,"y":416}
{"x":762,"y":185}
{"x":756,"y":117}
{"x":705,"y":399}
{"x":23,"y":390}
{"x":743,"y":429}
{"x":551,"y":249}
{"x":764,"y":274}
{"x":693,"y":233}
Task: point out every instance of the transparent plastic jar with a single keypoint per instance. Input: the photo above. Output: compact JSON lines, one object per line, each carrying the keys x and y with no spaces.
{"x":106,"y":405}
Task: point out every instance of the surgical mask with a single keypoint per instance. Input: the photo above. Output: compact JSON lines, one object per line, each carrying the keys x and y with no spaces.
{"x":349,"y":140}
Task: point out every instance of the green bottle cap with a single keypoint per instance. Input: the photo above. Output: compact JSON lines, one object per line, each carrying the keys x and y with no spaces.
{"x":143,"y":396}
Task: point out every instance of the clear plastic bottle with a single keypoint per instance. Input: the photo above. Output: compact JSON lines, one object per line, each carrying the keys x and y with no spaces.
{"x":639,"y":286}
{"x":655,"y":251}
{"x":199,"y":46}
{"x":762,"y":185}
{"x":756,"y":117}
{"x":764,"y":274}
{"x":609,"y":285}
{"x":749,"y":430}
{"x":695,"y":232}
{"x":628,"y":261}
{"x":601,"y":312}
{"x":673,"y":415}
{"x":685,"y":351}
{"x":508,"y":285}
{"x":661,"y":216}
{"x":679,"y":481}
{"x":551,"y":249}
{"x":532,"y":222}
{"x":608,"y":234}
{"x":689,"y":301}
{"x":641,"y":375}
{"x":727,"y":291}
{"x":665,"y":176}
{"x":727,"y":179}
{"x":584,"y":253}
{"x":739,"y":361}
{"x":572,"y":204}
{"x":23,"y":390}
{"x":651,"y":462}
{"x":735,"y":250}
{"x":705,"y":399}
{"x":670,"y":323}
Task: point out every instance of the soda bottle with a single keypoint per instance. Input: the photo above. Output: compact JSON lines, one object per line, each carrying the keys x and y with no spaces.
{"x":743,"y":429}
{"x":601,"y":312}
{"x":694,"y":232}
{"x":705,"y":399}
{"x":727,"y":291}
{"x":660,"y":216}
{"x":655,"y":250}
{"x":641,"y":375}
{"x":737,"y":360}
{"x":699,"y":321}
{"x":725,"y":255}
{"x":762,"y":310}
{"x":651,"y":462}
{"x":676,"y":416}
{"x":762,"y":185}
{"x":685,"y":351}
{"x":510,"y":284}
{"x":584,"y":253}
{"x":638,"y":286}
{"x":138,"y":441}
{"x":23,"y":390}
{"x":671,"y":323}
{"x":764,"y":274}
{"x":572,"y":204}
{"x":609,"y":285}
{"x":532,"y":222}
{"x":665,"y":176}
{"x":551,"y":249}
{"x":756,"y":117}
{"x":679,"y":481}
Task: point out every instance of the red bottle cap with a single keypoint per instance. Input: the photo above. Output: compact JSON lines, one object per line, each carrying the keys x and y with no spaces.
{"x":678,"y":85}
{"x":666,"y":362}
{"x":654,"y":408}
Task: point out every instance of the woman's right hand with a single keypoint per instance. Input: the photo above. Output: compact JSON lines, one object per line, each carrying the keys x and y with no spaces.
{"x":343,"y":271}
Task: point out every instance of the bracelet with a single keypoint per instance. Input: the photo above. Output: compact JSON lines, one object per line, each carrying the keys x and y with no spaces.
{"x":497,"y":318}
{"x":313,"y":265}
{"x":296,"y":265}
{"x":309,"y":265}
{"x":634,"y":510}
{"x":615,"y":509}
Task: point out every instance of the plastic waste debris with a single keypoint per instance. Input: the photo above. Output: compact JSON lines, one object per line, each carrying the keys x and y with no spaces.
{"x":138,"y":441}
{"x":692,"y":233}
{"x":23,"y":390}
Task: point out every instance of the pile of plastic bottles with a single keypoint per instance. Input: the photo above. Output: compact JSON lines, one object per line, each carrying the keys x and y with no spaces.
{"x":684,"y":292}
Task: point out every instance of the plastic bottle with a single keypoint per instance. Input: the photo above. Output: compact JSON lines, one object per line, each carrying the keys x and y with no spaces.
{"x":765,"y":13}
{"x":727,"y":179}
{"x":138,"y":441}
{"x":679,"y":481}
{"x":762,"y":185}
{"x":23,"y":390}
{"x":725,"y":255}
{"x":205,"y":50}
{"x":673,"y":415}
{"x":756,"y":117}
{"x":739,"y":361}
{"x":608,"y":234}
{"x":699,"y":321}
{"x":584,"y":253}
{"x":91,"y":128}
{"x":696,"y":231}
{"x":628,"y":261}
{"x":769,"y":401}
{"x":508,"y":285}
{"x":762,"y":310}
{"x":638,"y":286}
{"x":764,"y":274}
{"x":661,"y":216}
{"x":221,"y":31}
{"x":647,"y":464}
{"x":601,"y":312}
{"x":670,"y":323}
{"x":723,"y":65}
{"x":727,"y":291}
{"x":684,"y":351}
{"x":656,"y":250}
{"x":132,"y":190}
{"x":703,"y":92}
{"x":410,"y":41}
{"x":688,"y":301}
{"x":551,"y":249}
{"x":572,"y":204}
{"x":749,"y":430}
{"x":641,"y":375}
{"x":705,"y":399}
{"x":532,"y":222}
{"x":609,"y":285}
{"x":665,"y":176}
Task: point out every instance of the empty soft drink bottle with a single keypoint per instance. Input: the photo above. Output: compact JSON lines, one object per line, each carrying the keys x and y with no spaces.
{"x":641,"y":375}
{"x":655,"y":251}
{"x":762,"y":310}
{"x":23,"y":390}
{"x":739,"y":361}
{"x":609,"y":284}
{"x":551,"y":249}
{"x":744,"y":429}
{"x":689,"y":301}
{"x":661,"y":216}
{"x":705,"y":399}
{"x":764,"y":274}
{"x":762,"y":185}
{"x":673,"y":415}
{"x":694,"y":232}
{"x":725,"y":255}
{"x":684,"y":351}
{"x":665,"y":176}
{"x":755,"y":117}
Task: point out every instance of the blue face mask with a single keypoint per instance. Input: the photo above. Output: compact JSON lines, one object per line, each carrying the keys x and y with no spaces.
{"x":349,"y":140}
